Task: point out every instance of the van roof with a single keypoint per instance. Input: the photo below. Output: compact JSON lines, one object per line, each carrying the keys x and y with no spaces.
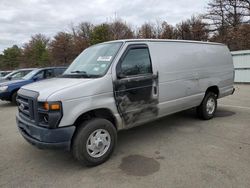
{"x":165,"y":40}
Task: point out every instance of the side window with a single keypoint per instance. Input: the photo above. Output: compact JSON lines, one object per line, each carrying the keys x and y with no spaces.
{"x":49,"y":73}
{"x":17,"y":75}
{"x":23,"y":73}
{"x":136,"y":62}
{"x":59,"y":72}
{"x":39,"y":75}
{"x":26,"y":72}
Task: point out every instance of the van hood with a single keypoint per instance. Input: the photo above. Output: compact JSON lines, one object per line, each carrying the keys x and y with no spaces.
{"x":48,"y":87}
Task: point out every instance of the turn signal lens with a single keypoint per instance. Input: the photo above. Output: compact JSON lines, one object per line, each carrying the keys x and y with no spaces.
{"x":51,"y":106}
{"x":54,"y":107}
{"x":46,"y":106}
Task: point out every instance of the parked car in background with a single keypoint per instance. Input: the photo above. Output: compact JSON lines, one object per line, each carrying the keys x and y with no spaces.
{"x":121,"y":84}
{"x":8,"y":90}
{"x":4,"y":73}
{"x":15,"y":75}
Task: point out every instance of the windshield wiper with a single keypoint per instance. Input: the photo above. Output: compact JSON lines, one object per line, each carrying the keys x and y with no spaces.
{"x":79,"y":74}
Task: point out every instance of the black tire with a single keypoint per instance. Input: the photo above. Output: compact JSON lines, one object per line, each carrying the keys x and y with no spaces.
{"x":13,"y":98}
{"x":80,"y":139}
{"x":202,"y":109}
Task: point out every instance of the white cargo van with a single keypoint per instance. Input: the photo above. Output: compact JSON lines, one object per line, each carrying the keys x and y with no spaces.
{"x":118,"y":85}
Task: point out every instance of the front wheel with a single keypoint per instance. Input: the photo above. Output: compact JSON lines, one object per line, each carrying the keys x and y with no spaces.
{"x":94,"y":142}
{"x":13,"y":98}
{"x":208,"y":107}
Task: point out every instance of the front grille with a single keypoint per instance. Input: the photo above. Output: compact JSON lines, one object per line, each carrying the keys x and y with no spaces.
{"x":26,"y":107}
{"x":31,"y":111}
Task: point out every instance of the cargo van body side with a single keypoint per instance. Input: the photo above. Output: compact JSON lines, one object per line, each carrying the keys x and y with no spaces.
{"x":187,"y":70}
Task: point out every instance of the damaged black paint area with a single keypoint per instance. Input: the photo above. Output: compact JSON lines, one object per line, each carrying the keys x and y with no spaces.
{"x":137,"y":98}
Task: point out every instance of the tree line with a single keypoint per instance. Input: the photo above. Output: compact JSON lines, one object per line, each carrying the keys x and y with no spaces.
{"x":225,"y":21}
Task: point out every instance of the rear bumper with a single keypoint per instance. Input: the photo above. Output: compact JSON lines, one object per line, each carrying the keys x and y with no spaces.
{"x":44,"y":138}
{"x":226,"y":91}
{"x":233,"y":91}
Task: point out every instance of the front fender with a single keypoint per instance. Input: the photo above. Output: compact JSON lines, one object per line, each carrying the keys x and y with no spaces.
{"x":74,"y":108}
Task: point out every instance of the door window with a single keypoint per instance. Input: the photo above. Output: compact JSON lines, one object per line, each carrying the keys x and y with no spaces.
{"x":39,"y":75}
{"x":136,"y":62}
{"x":49,"y":73}
{"x":59,"y":71}
{"x":17,"y":75}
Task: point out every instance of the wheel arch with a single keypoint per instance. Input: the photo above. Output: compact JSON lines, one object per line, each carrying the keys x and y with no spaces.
{"x":104,"y":113}
{"x":214,"y":89}
{"x":12,"y":92}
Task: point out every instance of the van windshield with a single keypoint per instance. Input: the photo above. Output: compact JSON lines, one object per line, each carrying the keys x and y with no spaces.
{"x":93,"y":62}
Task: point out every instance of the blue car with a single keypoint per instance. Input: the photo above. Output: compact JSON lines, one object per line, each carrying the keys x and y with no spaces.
{"x":8,"y":90}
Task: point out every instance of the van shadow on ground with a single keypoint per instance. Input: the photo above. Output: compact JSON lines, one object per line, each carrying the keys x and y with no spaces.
{"x":221,"y":112}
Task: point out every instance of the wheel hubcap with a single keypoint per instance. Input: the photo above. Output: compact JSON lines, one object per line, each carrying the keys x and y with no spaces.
{"x":98,"y":143}
{"x":210,"y":106}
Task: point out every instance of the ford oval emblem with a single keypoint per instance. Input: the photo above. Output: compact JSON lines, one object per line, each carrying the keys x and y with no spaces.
{"x":22,"y":106}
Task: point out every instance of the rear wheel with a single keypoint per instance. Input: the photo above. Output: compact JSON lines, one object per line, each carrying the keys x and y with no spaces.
{"x":208,"y":107}
{"x":94,"y":142}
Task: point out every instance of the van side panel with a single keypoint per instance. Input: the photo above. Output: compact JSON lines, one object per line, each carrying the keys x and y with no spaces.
{"x":186,"y":70}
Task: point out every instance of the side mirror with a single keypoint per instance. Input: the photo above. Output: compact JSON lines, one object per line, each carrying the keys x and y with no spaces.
{"x":35,"y":78}
{"x":121,"y":75}
{"x":9,"y":77}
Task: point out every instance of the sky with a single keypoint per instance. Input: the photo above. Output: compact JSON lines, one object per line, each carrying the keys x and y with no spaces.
{"x":20,"y":19}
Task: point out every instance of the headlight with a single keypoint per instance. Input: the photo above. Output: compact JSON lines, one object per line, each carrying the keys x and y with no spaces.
{"x":3,"y":88}
{"x":50,"y":114}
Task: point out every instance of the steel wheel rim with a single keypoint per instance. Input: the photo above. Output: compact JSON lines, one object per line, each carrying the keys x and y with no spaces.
{"x":210,"y":106}
{"x":98,"y":143}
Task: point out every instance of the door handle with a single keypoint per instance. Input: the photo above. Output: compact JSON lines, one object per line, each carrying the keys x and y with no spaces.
{"x":155,"y":90}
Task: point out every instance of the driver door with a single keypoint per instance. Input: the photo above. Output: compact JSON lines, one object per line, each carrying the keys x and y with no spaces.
{"x":136,"y":86}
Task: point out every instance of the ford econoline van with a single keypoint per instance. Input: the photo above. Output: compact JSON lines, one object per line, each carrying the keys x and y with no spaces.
{"x":118,"y":85}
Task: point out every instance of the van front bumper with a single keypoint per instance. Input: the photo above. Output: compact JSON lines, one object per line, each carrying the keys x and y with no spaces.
{"x":45,"y":138}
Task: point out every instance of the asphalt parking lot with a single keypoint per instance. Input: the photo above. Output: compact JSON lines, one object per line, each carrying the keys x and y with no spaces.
{"x":176,"y":151}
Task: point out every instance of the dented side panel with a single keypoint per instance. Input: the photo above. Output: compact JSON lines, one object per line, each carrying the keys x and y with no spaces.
{"x":137,"y":99}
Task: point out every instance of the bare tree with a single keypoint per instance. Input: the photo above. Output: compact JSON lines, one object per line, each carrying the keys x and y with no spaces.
{"x":82,"y":36}
{"x":225,"y":14}
{"x":147,"y":30}
{"x":61,"y":49}
{"x":199,"y":29}
{"x":234,"y":13}
{"x":183,"y":31}
{"x":216,"y":16}
{"x":168,"y":31}
{"x":120,"y":30}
